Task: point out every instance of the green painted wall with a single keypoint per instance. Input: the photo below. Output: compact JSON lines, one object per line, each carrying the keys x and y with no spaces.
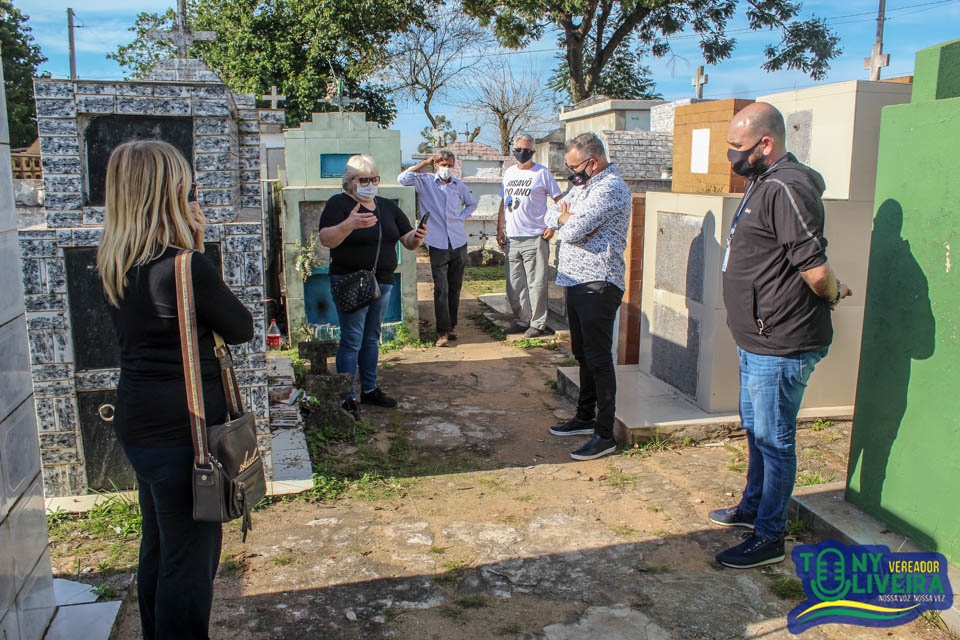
{"x":905,"y":449}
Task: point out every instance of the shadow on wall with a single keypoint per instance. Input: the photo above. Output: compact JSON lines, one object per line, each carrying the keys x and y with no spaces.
{"x":898,"y":327}
{"x":674,"y":357}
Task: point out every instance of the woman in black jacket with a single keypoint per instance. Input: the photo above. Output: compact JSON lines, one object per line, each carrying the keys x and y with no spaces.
{"x":148,"y":221}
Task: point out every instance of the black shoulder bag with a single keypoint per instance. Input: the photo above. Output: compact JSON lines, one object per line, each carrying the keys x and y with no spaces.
{"x":358,"y":289}
{"x":228,"y":475}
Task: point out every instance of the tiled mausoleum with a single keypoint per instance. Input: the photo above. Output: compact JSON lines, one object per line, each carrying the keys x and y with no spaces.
{"x":74,"y":355}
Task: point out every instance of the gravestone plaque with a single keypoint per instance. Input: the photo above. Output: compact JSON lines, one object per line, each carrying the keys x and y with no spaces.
{"x":107,"y":466}
{"x":675,"y":349}
{"x":800,"y":134}
{"x":310,"y":219}
{"x":104,"y":133}
{"x":680,"y":255}
{"x":94,"y":338}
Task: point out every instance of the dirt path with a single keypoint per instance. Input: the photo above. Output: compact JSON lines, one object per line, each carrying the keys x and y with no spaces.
{"x":472,"y":522}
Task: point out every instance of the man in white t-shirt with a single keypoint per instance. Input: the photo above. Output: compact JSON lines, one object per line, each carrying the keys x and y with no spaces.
{"x":524,"y":237}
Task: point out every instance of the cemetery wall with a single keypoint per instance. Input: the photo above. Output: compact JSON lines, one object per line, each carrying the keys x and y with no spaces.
{"x":639,"y":155}
{"x":26,"y":584}
{"x":906,"y":431}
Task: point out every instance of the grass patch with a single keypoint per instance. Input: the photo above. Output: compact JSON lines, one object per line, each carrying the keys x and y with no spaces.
{"x":932,"y":618}
{"x":488,"y":326}
{"x":617,"y":479}
{"x":476,"y":601}
{"x":551,"y":384}
{"x":510,"y":629}
{"x":787,"y":588}
{"x":106,"y":537}
{"x":230,"y":567}
{"x":394,"y":611}
{"x":403,"y":339}
{"x":623,"y":530}
{"x":820,"y":425}
{"x":453,"y":572}
{"x":810,"y":478}
{"x":656,"y":508}
{"x":482,"y":280}
{"x":281,"y":560}
{"x":299,"y":364}
{"x":566,"y":362}
{"x":737,"y":467}
{"x":535,"y":343}
{"x":437,"y":551}
{"x":738,"y":460}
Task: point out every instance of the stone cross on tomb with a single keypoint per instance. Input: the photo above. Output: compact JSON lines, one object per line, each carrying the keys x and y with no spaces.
{"x":698,"y":81}
{"x":878,"y":59}
{"x":273,"y":97}
{"x":335,"y":95}
{"x":181,"y":36}
{"x":437,"y":138}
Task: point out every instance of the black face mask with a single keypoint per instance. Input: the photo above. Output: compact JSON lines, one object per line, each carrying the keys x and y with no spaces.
{"x":522,"y":155}
{"x":579,"y":178}
{"x":740,"y":162}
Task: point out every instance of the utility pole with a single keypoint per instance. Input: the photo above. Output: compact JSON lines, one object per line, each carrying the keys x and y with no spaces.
{"x":73,"y":46}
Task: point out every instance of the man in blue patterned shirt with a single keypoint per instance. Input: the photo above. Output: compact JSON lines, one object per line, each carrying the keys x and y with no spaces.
{"x":592,"y":222}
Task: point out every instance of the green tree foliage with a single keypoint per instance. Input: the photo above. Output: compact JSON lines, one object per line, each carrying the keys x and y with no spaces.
{"x":20,"y":60}
{"x":605,"y":25}
{"x":300,"y":46}
{"x":625,"y":77}
{"x":447,"y":134}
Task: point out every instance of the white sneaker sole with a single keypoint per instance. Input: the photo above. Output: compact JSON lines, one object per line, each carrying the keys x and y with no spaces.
{"x":594,"y":456}
{"x":578,"y":432}
{"x":745,"y":525}
{"x":756,"y":564}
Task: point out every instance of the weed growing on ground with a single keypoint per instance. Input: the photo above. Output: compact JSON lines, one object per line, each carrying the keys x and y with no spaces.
{"x":230,"y":566}
{"x":488,"y":326}
{"x":810,"y":478}
{"x":453,"y":571}
{"x":623,"y":530}
{"x":659,"y":443}
{"x":820,"y":424}
{"x":617,"y":479}
{"x":437,"y":551}
{"x":656,"y":508}
{"x":566,"y":362}
{"x":737,"y":462}
{"x":787,"y":588}
{"x":552,"y":385}
{"x":737,"y":467}
{"x":797,"y":527}
{"x":511,"y":629}
{"x":299,"y":364}
{"x":394,"y":611}
{"x":933,"y":619}
{"x":105,"y":591}
{"x":475,"y":601}
{"x":534,"y":343}
{"x":282,"y":560}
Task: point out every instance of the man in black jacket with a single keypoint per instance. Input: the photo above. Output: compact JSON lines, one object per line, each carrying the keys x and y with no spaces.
{"x":779,"y":291}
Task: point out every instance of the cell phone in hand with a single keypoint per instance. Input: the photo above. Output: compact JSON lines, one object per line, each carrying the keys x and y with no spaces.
{"x":423,"y":220}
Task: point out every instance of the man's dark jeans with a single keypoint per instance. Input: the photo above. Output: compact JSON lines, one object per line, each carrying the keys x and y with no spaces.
{"x":447,"y":266}
{"x":178,"y":556}
{"x":591,"y":311}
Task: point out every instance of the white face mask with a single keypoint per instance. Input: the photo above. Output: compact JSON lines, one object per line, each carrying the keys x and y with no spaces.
{"x":445,"y":173}
{"x":367,"y":191}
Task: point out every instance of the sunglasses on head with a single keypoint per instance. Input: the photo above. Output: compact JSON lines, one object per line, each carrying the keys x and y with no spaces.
{"x":366,"y":181}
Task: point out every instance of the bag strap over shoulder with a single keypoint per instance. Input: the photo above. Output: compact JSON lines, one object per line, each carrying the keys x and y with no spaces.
{"x":190,"y":352}
{"x":376,"y":260}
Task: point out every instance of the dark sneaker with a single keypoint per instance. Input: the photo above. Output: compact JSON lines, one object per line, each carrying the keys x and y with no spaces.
{"x":732,"y":517}
{"x":350,"y":406}
{"x":452,"y":334}
{"x":596,"y":447}
{"x":533,"y":332}
{"x":378,"y":398}
{"x":574,"y":427}
{"x":516,"y":328}
{"x":754,"y":551}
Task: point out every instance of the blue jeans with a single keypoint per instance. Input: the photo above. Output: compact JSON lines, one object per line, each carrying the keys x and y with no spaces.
{"x":178,"y":556}
{"x":360,"y":340}
{"x":771,"y":390}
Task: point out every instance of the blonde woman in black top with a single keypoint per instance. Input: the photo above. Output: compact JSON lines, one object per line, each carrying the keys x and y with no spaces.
{"x":148,"y":221}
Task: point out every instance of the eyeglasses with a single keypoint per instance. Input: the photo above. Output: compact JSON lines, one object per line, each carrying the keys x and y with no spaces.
{"x":574,"y":168}
{"x":519,"y":149}
{"x":366,"y":181}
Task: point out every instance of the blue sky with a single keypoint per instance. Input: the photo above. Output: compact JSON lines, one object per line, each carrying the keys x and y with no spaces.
{"x":911,"y":25}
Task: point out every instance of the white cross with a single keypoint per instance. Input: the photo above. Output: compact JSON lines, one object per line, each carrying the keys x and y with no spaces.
{"x":273,"y":98}
{"x":437,"y":137}
{"x":878,"y":58}
{"x":698,"y":81}
{"x":181,"y":36}
{"x":335,"y":95}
